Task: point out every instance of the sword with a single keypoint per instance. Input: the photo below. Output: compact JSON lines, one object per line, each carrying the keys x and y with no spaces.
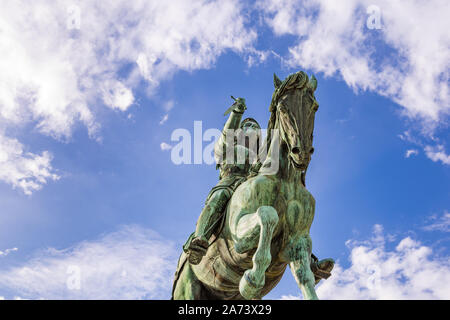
{"x":232,"y":106}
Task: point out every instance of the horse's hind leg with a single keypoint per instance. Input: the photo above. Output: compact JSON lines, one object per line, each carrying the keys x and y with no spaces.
{"x":299,"y":254}
{"x":256,"y":230}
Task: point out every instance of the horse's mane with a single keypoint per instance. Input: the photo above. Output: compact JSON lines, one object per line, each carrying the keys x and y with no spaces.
{"x":295,"y":80}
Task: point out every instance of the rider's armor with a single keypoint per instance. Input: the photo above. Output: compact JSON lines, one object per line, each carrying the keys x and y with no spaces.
{"x":232,"y":174}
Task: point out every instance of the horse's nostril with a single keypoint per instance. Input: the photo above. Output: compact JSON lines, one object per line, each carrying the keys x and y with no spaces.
{"x":295,"y":150}
{"x":311,"y":151}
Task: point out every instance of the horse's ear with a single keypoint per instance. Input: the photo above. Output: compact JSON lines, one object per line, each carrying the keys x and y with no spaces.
{"x":312,"y":83}
{"x":276,"y":81}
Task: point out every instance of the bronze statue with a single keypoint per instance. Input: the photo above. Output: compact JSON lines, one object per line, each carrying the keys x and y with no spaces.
{"x":256,"y":221}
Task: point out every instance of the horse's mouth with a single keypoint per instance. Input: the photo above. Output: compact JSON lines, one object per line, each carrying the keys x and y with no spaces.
{"x":300,"y":166}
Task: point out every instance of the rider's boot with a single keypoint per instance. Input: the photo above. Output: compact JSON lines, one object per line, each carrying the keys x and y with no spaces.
{"x":198,"y":244}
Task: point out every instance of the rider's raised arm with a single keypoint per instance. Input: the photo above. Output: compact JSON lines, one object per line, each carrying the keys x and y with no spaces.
{"x":232,"y":124}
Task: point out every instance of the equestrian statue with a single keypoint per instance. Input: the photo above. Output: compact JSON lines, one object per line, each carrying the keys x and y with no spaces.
{"x":257,"y":219}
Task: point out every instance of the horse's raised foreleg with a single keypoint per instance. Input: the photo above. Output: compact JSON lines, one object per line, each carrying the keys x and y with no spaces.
{"x":256,"y":230}
{"x":299,"y":255}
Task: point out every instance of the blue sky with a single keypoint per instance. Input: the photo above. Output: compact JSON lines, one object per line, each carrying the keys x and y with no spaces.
{"x":85,"y":181}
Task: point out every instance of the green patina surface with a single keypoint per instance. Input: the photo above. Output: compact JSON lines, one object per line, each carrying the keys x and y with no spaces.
{"x":256,"y":221}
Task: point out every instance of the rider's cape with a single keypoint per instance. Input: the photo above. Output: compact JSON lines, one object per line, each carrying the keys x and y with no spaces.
{"x":230,"y":183}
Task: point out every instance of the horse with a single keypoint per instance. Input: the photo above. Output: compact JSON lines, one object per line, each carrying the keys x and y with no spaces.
{"x":267,"y":221}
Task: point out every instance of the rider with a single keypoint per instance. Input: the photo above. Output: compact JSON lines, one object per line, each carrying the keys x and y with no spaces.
{"x":232,"y":173}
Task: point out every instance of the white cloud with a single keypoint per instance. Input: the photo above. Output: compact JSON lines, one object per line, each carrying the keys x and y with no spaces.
{"x":5,"y":252}
{"x":165,"y":146}
{"x":409,"y":137}
{"x":59,"y":59}
{"x":117,"y":96}
{"x":132,"y":263}
{"x":289,"y":297}
{"x":411,"y":152}
{"x":24,"y":170}
{"x":437,"y":153}
{"x":164,"y":119}
{"x":410,"y":271}
{"x":439,"y":224}
{"x":169,"y":105}
{"x":56,"y":72}
{"x":332,"y":37}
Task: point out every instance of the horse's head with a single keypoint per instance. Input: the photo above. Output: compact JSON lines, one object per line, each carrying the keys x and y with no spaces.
{"x":293,"y":110}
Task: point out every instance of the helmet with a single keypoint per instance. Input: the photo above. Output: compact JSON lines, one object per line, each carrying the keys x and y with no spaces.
{"x":249,"y":120}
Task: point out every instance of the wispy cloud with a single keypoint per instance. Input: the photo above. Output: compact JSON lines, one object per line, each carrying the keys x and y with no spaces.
{"x":411,"y":152}
{"x":437,"y":153}
{"x":169,"y":105}
{"x":441,"y":223}
{"x":164,"y":119}
{"x":165,"y":146}
{"x":409,"y":271}
{"x":5,"y":252}
{"x":409,"y":137}
{"x":132,"y":263}
{"x":24,"y":170}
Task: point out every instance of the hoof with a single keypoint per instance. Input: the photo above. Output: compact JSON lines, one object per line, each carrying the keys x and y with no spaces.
{"x":326,"y":265}
{"x":322,"y":269}
{"x":248,"y":289}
